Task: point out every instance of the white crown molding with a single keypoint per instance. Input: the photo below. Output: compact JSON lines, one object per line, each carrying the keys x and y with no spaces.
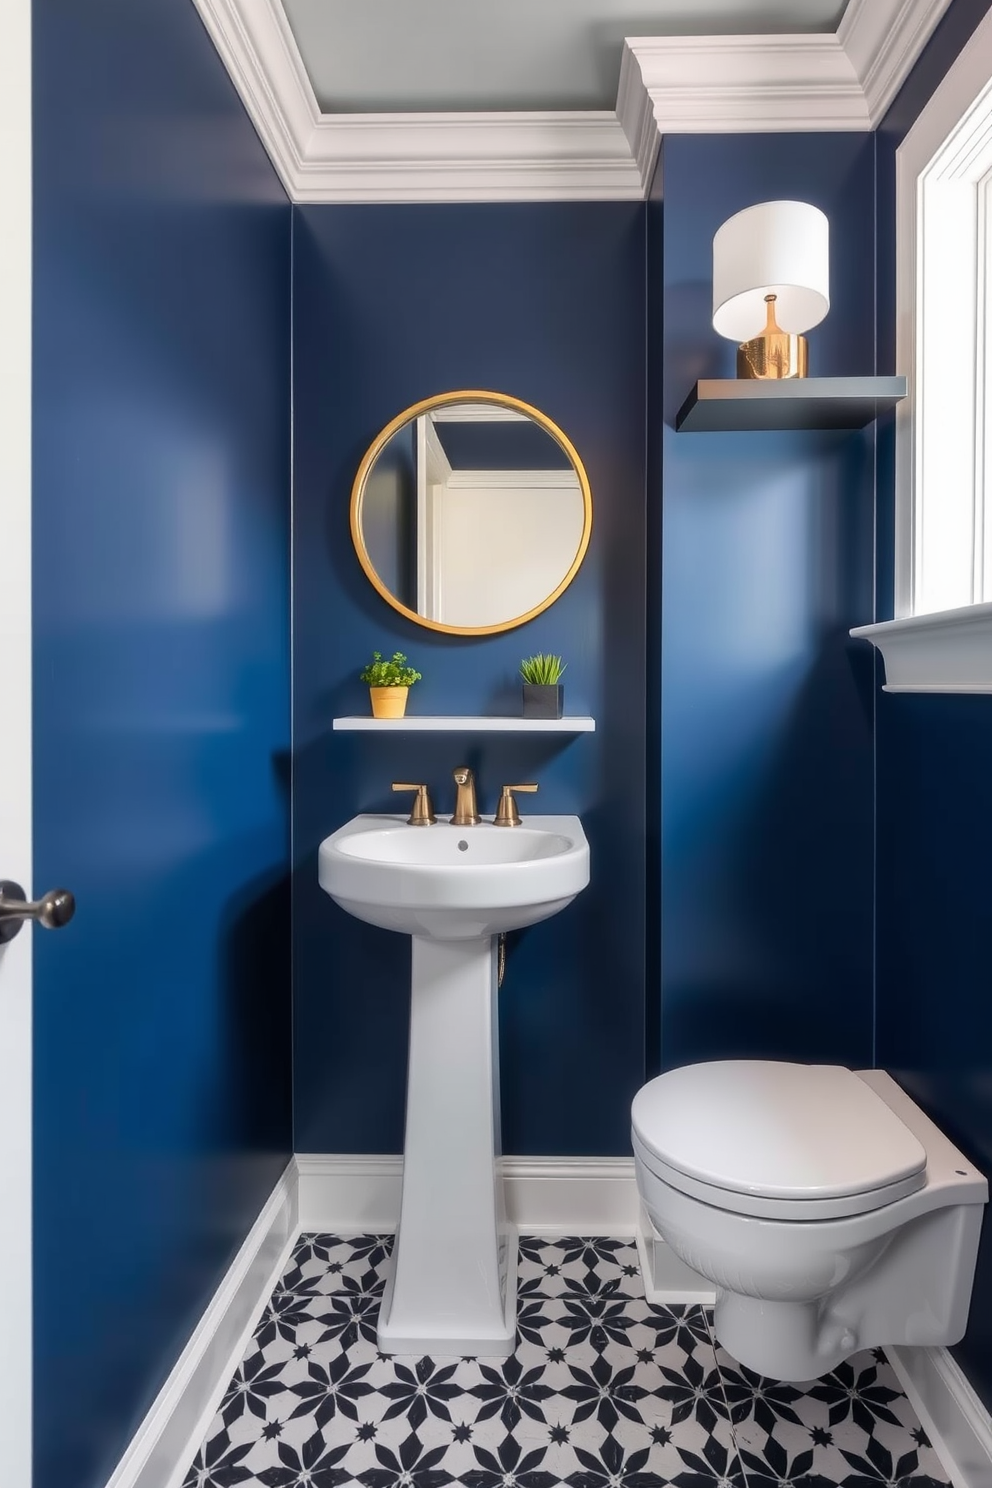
{"x":635,"y":111}
{"x":257,"y":48}
{"x":467,"y":158}
{"x":477,"y":413}
{"x":513,"y":480}
{"x":734,"y":85}
{"x":409,"y":157}
{"x":668,"y":84}
{"x":883,"y":39}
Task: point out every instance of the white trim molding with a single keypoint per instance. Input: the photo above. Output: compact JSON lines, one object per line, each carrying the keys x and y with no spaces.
{"x":407,"y":157}
{"x":667,"y":84}
{"x":513,"y":480}
{"x":166,"y":1441}
{"x":947,"y":652}
{"x":958,"y":108}
{"x":883,"y":42}
{"x":951,"y":1413}
{"x":15,"y":740}
{"x":349,"y":1194}
{"x":735,"y":85}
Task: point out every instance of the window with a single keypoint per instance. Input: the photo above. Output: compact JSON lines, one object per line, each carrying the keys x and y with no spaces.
{"x":941,"y":639}
{"x":944,"y":342}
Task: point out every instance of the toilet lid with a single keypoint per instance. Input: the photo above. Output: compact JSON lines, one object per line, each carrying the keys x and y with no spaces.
{"x":776,"y":1130}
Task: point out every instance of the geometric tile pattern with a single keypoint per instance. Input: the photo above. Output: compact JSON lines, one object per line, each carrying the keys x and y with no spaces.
{"x":605,"y":1390}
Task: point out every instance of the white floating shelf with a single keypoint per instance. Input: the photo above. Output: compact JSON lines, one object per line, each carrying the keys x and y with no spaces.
{"x":452,"y":723}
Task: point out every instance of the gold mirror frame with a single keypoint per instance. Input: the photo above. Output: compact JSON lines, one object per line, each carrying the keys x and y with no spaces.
{"x":441,"y":400}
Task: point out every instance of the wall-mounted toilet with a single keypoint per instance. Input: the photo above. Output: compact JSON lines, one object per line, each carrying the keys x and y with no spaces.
{"x":828,"y":1211}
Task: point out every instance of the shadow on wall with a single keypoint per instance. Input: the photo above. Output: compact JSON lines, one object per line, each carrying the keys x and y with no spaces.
{"x":754,"y":990}
{"x":689,"y":356}
{"x":257,"y":962}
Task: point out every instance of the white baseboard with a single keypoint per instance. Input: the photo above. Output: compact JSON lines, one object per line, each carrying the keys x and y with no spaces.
{"x":571,"y":1195}
{"x":348,"y":1194}
{"x":342,"y":1194}
{"x":544,"y":1195}
{"x":952,"y":1414}
{"x":163,"y":1447}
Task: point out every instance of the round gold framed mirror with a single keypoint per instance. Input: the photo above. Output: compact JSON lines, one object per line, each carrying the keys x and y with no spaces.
{"x":471,"y":512}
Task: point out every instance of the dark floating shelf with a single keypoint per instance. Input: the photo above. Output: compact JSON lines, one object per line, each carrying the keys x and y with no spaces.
{"x":802,"y":403}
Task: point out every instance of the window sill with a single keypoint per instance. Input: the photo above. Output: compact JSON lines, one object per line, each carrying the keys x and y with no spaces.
{"x":950,"y":651}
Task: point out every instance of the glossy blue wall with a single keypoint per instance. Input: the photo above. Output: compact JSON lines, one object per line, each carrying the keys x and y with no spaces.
{"x":161,"y":449}
{"x":392,"y":304}
{"x":934,"y":1008}
{"x":764,"y":562}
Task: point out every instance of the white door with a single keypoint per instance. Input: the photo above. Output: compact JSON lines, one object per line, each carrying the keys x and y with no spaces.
{"x":15,"y":733}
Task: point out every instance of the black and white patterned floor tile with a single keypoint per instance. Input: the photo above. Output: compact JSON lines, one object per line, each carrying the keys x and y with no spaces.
{"x":604,"y":1391}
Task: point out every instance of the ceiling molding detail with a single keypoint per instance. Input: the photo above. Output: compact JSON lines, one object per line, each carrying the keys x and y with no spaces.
{"x":668,"y":84}
{"x":264,"y":63}
{"x":468,"y":158}
{"x":883,"y":41}
{"x":734,"y":85}
{"x":425,"y":157}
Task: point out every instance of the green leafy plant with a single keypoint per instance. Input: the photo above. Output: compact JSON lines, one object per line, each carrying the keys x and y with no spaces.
{"x":542,"y":671}
{"x":393,"y":673}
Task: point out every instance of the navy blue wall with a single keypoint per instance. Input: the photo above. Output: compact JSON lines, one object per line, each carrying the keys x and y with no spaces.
{"x":934,"y":1009}
{"x":161,"y":449}
{"x":393,"y":304}
{"x":766,"y":721}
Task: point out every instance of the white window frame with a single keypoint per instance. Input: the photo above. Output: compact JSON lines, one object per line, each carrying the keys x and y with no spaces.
{"x":941,"y":639}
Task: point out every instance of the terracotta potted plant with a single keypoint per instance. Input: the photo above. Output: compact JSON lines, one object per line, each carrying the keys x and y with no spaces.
{"x":389,"y":684}
{"x":543,"y":692}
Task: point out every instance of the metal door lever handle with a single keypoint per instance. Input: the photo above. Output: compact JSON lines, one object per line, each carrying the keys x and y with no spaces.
{"x":52,"y":910}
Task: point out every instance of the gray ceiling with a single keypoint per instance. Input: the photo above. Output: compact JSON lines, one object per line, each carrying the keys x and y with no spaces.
{"x":370,"y":56}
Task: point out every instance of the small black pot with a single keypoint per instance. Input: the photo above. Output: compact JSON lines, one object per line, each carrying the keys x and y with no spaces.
{"x":541,"y":701}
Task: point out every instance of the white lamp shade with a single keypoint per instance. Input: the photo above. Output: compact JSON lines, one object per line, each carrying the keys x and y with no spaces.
{"x":776,"y":247}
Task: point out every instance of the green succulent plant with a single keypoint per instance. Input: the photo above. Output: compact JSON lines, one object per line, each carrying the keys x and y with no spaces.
{"x":392,"y":673}
{"x":541,"y":670}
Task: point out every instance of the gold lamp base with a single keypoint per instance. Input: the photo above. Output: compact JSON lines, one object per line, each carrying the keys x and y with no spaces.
{"x":775,"y":353}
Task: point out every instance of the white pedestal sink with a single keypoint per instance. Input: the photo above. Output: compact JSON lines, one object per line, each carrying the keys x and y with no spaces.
{"x":452,"y":1288}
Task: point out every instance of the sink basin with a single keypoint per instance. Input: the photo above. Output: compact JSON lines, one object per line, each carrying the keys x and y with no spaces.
{"x":454,"y":883}
{"x":451,"y":1287}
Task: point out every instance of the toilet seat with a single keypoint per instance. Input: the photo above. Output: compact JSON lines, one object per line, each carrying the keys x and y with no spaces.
{"x":776,"y":1140}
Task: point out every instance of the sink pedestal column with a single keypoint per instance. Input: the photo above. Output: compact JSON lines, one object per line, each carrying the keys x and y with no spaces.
{"x":452,"y":1287}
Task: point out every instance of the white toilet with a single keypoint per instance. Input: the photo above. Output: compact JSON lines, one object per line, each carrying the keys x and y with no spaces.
{"x":828,"y":1211}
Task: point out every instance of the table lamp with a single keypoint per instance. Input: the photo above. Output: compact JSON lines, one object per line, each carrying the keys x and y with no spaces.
{"x":771,"y":281}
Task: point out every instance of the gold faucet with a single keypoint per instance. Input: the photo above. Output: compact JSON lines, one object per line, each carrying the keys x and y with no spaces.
{"x":422,"y":814}
{"x":507,"y":814}
{"x":466,"y":813}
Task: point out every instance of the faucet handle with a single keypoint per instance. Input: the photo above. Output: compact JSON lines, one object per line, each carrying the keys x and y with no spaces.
{"x":422,"y":814}
{"x":507,"y":814}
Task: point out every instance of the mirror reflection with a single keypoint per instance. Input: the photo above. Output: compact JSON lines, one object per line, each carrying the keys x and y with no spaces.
{"x":471,"y":516}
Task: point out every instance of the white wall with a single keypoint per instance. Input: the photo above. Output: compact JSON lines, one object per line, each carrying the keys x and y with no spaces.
{"x":15,"y":734}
